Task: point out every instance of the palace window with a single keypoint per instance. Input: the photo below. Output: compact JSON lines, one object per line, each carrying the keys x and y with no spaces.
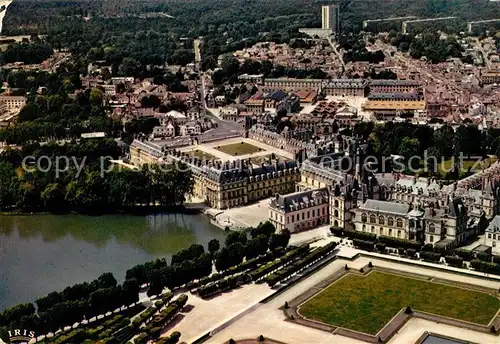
{"x":431,"y":238}
{"x":336,"y":213}
{"x":390,"y":221}
{"x":336,"y":203}
{"x":363,"y":217}
{"x":489,"y":235}
{"x":399,"y":223}
{"x":381,"y":220}
{"x":432,"y":228}
{"x":373,"y":218}
{"x":399,"y":234}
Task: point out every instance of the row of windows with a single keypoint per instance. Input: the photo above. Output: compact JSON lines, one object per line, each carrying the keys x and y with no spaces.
{"x":494,"y":236}
{"x":381,"y":220}
{"x":381,"y":231}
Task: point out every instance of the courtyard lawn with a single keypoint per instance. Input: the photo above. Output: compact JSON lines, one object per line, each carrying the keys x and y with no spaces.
{"x":446,"y":166}
{"x":367,"y":303}
{"x":202,"y":155}
{"x":238,"y":149}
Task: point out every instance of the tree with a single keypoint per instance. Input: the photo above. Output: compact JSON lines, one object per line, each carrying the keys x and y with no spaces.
{"x":234,"y":237}
{"x":131,"y":290}
{"x":213,"y":246}
{"x":252,"y":249}
{"x":96,"y":96}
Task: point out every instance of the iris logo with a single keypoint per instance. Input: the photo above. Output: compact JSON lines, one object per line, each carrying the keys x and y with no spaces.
{"x":18,"y":337}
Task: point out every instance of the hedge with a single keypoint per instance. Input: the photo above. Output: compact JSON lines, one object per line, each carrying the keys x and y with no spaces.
{"x":485,"y":257}
{"x":464,"y":254}
{"x":496,"y":259}
{"x":411,"y":252}
{"x":298,"y":265}
{"x":482,"y":266}
{"x":396,"y":243}
{"x":246,"y":266}
{"x":271,"y":266}
{"x":223,"y":285}
{"x":455,"y":261}
{"x":337,"y":231}
{"x":360,"y":235}
{"x":364,"y":244}
{"x":380,"y":247}
{"x":430,"y":256}
{"x":174,"y":338}
{"x":141,"y":339}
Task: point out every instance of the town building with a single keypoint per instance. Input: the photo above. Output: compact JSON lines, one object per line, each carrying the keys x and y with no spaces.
{"x":393,"y":86}
{"x":330,"y":18}
{"x":492,"y":235}
{"x":382,"y":103}
{"x":291,"y":85}
{"x":299,"y":211}
{"x":490,"y":77}
{"x":345,"y":87}
{"x":13,"y":103}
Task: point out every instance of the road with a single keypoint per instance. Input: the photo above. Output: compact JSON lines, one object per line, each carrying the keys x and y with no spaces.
{"x":334,"y":47}
{"x":479,"y":47}
{"x":223,"y":129}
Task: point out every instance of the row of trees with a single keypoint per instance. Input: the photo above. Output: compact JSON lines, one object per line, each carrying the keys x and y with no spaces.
{"x":86,"y":300}
{"x":73,"y":304}
{"x":194,"y":263}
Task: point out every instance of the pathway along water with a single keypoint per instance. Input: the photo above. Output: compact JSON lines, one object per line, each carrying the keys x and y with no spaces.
{"x":44,"y":253}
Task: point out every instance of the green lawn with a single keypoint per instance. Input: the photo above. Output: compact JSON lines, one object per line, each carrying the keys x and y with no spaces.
{"x":367,"y":303}
{"x":201,"y":154}
{"x":240,"y":148}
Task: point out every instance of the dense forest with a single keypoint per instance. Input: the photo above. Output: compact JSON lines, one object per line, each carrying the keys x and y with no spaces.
{"x":131,"y":35}
{"x":85,"y":181}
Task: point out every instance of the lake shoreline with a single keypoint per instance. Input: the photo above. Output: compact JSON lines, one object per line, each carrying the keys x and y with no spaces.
{"x":132,"y":212}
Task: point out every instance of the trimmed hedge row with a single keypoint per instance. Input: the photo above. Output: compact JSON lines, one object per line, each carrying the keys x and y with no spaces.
{"x":172,"y":339}
{"x":488,"y":267}
{"x":296,"y":266}
{"x":142,"y":338}
{"x":271,"y":266}
{"x":162,"y":319}
{"x":455,"y":261}
{"x":430,"y":256}
{"x":250,"y":264}
{"x":360,"y":235}
{"x":144,"y":316}
{"x":397,"y":243}
{"x":223,"y":285}
{"x":464,"y":254}
{"x":366,"y":245}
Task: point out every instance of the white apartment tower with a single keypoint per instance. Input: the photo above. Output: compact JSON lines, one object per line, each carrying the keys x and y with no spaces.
{"x":330,"y":18}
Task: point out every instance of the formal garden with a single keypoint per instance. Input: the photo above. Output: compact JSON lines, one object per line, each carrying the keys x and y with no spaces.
{"x":366,"y":303}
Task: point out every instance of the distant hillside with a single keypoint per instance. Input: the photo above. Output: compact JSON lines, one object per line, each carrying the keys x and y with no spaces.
{"x":28,"y":16}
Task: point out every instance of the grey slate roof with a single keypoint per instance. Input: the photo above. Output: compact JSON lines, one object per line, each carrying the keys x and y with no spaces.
{"x":494,"y":226}
{"x":385,"y":82}
{"x":285,"y":202}
{"x":386,"y":207}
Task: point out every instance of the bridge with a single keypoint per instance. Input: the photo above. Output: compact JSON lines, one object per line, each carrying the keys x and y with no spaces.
{"x":366,"y":22}
{"x":472,"y":23}
{"x":405,"y":23}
